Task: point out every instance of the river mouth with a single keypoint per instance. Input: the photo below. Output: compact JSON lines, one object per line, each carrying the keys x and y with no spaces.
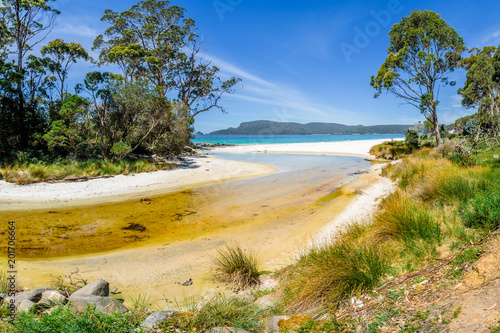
{"x":183,"y":215}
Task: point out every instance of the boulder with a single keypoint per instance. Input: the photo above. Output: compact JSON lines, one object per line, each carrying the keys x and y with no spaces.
{"x":32,"y":295}
{"x":51,"y":297}
{"x":266,"y":301}
{"x":102,"y":304}
{"x":293,"y":323}
{"x":96,"y":288}
{"x":272,"y":323}
{"x":25,"y":305}
{"x":155,"y":318}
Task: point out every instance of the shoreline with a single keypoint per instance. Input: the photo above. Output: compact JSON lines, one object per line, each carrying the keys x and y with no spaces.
{"x":360,"y":148}
{"x":204,"y":170}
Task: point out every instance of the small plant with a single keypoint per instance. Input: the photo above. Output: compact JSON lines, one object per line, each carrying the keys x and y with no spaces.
{"x":63,"y":319}
{"x":230,"y":312}
{"x":411,"y":139}
{"x":236,"y":266}
{"x":485,"y":212}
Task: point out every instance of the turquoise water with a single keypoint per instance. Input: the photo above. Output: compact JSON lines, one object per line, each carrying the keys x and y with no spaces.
{"x":267,"y":139}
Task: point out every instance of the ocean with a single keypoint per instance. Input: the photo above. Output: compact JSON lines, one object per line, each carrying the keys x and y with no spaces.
{"x":269,"y":139}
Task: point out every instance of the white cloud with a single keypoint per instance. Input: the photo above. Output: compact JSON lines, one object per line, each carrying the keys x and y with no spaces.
{"x":278,"y":95}
{"x":492,"y":37}
{"x":80,"y":30}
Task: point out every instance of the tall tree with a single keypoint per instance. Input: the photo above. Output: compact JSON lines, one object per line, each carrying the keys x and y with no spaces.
{"x":154,"y":41}
{"x":28,"y":22}
{"x":63,"y":56}
{"x":423,"y":50}
{"x":482,"y":87}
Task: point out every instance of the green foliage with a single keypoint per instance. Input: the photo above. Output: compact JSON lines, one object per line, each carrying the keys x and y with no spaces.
{"x":422,"y":40}
{"x":62,"y":319}
{"x":411,"y":139}
{"x":236,"y":266}
{"x":164,"y":54}
{"x":482,"y":86}
{"x":120,"y":149}
{"x":391,"y":150}
{"x":484,"y":212}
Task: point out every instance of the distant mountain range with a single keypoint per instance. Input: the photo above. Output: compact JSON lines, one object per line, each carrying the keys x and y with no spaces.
{"x":266,"y":127}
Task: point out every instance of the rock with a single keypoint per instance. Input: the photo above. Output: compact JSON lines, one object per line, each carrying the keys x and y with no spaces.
{"x":360,"y":172}
{"x":96,"y":288}
{"x":155,"y":318}
{"x":51,"y":297}
{"x":102,"y":304}
{"x":25,"y":305}
{"x":358,"y":192}
{"x":357,"y":303}
{"x":32,"y":295}
{"x":265,"y":302}
{"x":3,"y":296}
{"x":244,"y":297}
{"x":294,"y":322}
{"x":272,"y":323}
{"x":227,"y":330}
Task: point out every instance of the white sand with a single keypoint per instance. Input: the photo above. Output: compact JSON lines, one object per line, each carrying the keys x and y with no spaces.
{"x":203,"y":171}
{"x":361,"y":209}
{"x":356,"y":148}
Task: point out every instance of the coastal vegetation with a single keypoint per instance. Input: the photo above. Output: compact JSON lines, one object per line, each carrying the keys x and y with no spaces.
{"x":148,"y":108}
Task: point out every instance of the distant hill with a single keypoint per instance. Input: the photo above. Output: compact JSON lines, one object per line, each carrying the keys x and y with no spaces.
{"x":266,"y":127}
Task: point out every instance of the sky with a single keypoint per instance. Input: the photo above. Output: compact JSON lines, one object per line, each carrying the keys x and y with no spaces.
{"x":300,"y":61}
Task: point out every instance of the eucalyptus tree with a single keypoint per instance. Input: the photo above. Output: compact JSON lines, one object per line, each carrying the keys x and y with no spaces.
{"x":482,"y":86}
{"x":154,"y":41}
{"x":27,"y":23}
{"x":423,"y":51}
{"x":63,"y":56}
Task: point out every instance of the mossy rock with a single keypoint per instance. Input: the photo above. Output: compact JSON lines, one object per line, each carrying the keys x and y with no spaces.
{"x":294,"y":322}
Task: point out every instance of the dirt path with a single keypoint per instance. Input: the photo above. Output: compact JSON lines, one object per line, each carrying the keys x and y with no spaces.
{"x":479,"y":294}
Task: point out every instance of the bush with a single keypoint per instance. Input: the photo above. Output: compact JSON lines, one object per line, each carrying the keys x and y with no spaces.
{"x":412,"y":139}
{"x":236,"y":266}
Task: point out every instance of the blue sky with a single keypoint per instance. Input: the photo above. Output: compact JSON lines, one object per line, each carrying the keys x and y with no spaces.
{"x":301,"y":61}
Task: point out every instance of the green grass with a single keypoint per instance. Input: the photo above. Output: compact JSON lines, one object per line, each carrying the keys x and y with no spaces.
{"x":236,"y":266}
{"x":31,"y":172}
{"x":62,"y":319}
{"x":329,"y":273}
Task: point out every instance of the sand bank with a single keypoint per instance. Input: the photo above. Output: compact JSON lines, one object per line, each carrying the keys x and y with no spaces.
{"x":354,"y":148}
{"x":196,"y":171}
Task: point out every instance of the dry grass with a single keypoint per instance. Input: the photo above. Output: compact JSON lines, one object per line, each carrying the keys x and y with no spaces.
{"x":236,"y":266}
{"x":27,"y":173}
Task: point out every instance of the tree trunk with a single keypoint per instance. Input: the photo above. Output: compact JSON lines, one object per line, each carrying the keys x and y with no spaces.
{"x":437,"y":133}
{"x":21,"y":110}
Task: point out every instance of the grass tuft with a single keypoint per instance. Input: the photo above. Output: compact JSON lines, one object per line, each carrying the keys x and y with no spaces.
{"x":404,"y":219}
{"x":329,"y":273}
{"x":236,"y":266}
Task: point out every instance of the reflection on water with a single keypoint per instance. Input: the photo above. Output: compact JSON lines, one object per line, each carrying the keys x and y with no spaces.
{"x":164,"y":218}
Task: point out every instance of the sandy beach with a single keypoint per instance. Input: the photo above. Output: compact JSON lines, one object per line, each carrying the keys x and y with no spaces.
{"x":353,"y":148}
{"x":201,"y":170}
{"x":277,"y":232}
